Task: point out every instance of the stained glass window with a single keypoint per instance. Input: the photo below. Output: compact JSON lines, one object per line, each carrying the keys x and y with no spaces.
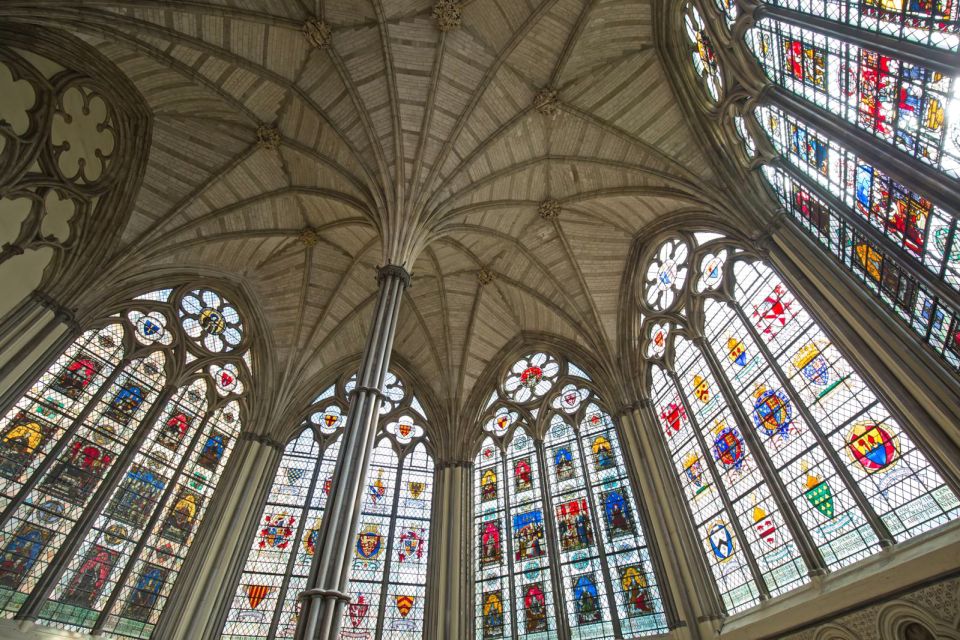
{"x":559,"y":536}
{"x":107,"y":467}
{"x":897,"y":240}
{"x":390,"y":552}
{"x":704,"y":56}
{"x":778,"y":443}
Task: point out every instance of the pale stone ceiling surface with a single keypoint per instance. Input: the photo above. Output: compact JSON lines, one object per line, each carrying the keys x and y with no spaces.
{"x":401,"y":143}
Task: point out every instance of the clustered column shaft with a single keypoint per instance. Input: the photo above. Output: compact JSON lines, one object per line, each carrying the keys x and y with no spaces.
{"x":326,"y":595}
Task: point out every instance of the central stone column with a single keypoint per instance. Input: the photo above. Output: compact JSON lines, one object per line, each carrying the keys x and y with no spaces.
{"x":327,"y":594}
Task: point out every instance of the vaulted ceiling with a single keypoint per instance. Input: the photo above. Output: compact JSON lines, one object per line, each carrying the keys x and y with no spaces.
{"x":400,"y":142}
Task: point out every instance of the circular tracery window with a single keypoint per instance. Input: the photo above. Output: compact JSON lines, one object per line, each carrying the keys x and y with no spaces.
{"x":666,"y":274}
{"x":531,"y":377}
{"x":212,"y":322}
{"x":704,"y":57}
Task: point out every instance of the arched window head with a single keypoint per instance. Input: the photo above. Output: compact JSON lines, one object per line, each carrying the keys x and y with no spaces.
{"x":559,"y":537}
{"x":704,"y":57}
{"x":390,"y":552}
{"x":108,"y":464}
{"x":789,"y":459}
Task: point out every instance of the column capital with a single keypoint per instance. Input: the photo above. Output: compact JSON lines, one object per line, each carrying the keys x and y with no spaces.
{"x":326,"y":594}
{"x":262,"y":439}
{"x":393,"y":271}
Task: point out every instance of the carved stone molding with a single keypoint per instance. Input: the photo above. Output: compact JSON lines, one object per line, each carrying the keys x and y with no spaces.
{"x":448,"y":14}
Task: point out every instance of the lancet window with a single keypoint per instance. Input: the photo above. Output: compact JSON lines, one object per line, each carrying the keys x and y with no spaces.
{"x":790,"y":461}
{"x":109,"y":460}
{"x":390,"y":553}
{"x":559,"y":537}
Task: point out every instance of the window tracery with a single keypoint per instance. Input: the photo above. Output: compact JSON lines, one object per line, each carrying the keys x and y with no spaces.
{"x":108,"y":464}
{"x":390,"y":555}
{"x":559,"y":539}
{"x":790,"y":461}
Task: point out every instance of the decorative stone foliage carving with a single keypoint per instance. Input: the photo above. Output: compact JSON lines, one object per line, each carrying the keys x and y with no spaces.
{"x":448,"y":14}
{"x":549,"y":210}
{"x":268,"y":137}
{"x":309,"y":237}
{"x":318,"y":33}
{"x":486,"y":276}
{"x":546,"y":102}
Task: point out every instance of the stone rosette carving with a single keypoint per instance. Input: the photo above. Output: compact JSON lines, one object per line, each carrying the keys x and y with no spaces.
{"x":268,"y":137}
{"x":546,"y":102}
{"x":309,"y":237}
{"x":486,"y":276}
{"x":448,"y":14}
{"x":549,"y":210}
{"x":318,"y":33}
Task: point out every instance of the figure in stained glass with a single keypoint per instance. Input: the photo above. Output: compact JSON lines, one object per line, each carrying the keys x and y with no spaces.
{"x":490,"y":547}
{"x":617,"y":514}
{"x":573,"y":525}
{"x":586,"y":600}
{"x":145,"y":593}
{"x":534,"y":608}
{"x":493,"y":614}
{"x":21,"y":553}
{"x":76,"y":377}
{"x":22,"y":441}
{"x":125,"y":403}
{"x":603,"y":454}
{"x":78,"y":471}
{"x":528,"y":535}
{"x":174,"y":430}
{"x":180,"y":519}
{"x":137,"y":495}
{"x":522,"y":475}
{"x":212,"y":451}
{"x":488,"y":486}
{"x":636,"y":593}
{"x":563,"y":464}
{"x":87,"y":584}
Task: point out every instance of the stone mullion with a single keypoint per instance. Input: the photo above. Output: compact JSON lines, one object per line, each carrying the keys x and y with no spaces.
{"x":292,"y":560}
{"x":508,"y":565}
{"x":41,"y":592}
{"x":604,"y":566}
{"x":809,"y":551}
{"x":905,"y":260}
{"x":556,"y":574}
{"x":148,"y":528}
{"x":722,"y":491}
{"x":388,"y":563}
{"x":678,"y":529}
{"x":941,"y":60}
{"x":37,"y":474}
{"x":879,"y":527}
{"x":903,"y":168}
